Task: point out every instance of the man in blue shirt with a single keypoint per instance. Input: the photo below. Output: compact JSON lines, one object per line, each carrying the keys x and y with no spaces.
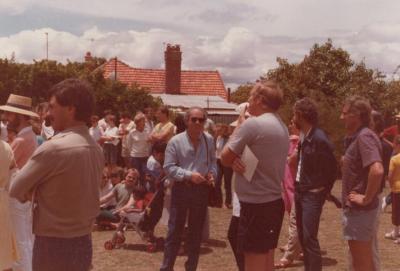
{"x":190,"y":162}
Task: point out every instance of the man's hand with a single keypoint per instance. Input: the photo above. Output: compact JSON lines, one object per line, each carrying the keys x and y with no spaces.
{"x":356,"y":198}
{"x":197,"y":178}
{"x":238,"y":166}
{"x":210,"y":179}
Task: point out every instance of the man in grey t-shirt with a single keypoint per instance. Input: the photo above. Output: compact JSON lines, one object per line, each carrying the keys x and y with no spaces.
{"x":260,"y":198}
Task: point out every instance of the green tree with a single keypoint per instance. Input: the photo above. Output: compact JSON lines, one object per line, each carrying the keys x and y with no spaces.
{"x":241,"y":94}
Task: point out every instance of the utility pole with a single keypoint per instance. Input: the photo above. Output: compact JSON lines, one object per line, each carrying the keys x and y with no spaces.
{"x":47,"y":46}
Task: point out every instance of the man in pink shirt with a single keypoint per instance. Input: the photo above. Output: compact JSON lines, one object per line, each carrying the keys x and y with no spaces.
{"x":18,"y":112}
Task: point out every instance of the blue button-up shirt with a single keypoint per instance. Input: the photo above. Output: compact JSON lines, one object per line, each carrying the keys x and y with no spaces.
{"x":181,"y":158}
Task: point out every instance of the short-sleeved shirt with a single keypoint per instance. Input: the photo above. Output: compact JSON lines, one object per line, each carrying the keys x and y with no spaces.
{"x":394,"y":167}
{"x":122,"y":194}
{"x":112,"y":132}
{"x":161,"y":128}
{"x":364,"y":149}
{"x":268,"y":138}
{"x":138,"y":144}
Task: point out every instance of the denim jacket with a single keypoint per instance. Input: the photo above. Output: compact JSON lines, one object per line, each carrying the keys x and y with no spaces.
{"x":318,"y":163}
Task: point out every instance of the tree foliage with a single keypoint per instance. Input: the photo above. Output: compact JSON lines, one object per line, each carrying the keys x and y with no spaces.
{"x":35,"y":80}
{"x":328,"y":75}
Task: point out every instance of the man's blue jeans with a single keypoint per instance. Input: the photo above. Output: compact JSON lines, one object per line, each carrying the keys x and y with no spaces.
{"x":187,"y":201}
{"x":308,"y":213}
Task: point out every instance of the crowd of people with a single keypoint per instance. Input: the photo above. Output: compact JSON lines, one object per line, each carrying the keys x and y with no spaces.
{"x":64,"y":170}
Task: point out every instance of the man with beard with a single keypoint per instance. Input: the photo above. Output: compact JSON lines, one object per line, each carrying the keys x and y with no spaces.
{"x":316,"y":174}
{"x":18,"y":112}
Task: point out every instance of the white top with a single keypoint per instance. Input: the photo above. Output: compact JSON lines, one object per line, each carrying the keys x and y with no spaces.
{"x":235,"y":205}
{"x":126,"y":127}
{"x":112,"y":132}
{"x":3,"y":135}
{"x":96,"y":133}
{"x":103,"y":125}
{"x":137,"y":143}
{"x":47,"y":131}
{"x":219,"y":145}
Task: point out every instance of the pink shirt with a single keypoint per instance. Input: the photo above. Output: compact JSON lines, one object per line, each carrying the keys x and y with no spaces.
{"x":23,"y":146}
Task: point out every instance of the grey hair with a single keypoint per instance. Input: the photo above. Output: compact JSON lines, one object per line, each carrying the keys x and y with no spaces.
{"x":189,"y":111}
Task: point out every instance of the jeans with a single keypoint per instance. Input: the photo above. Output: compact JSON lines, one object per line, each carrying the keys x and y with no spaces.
{"x":308,"y":212}
{"x":140,"y":163}
{"x":190,"y":201}
{"x":62,"y":254}
{"x":293,"y":244}
{"x":226,"y":173}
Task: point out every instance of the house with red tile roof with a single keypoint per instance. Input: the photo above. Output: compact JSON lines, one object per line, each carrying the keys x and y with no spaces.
{"x":171,"y":80}
{"x":179,"y":89}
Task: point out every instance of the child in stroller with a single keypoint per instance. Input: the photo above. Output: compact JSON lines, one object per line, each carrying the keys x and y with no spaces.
{"x":142,"y":213}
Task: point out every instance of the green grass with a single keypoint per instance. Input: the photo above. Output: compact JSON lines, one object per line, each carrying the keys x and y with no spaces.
{"x":217,"y":254}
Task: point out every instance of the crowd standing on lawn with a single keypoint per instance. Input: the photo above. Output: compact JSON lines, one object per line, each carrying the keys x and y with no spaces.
{"x":71,"y":170}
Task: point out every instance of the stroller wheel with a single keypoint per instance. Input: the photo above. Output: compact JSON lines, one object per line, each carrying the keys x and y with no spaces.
{"x":160,"y":242}
{"x":151,"y":248}
{"x":108,"y":245}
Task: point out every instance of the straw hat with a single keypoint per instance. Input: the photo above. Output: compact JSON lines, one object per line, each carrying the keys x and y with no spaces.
{"x":20,"y":105}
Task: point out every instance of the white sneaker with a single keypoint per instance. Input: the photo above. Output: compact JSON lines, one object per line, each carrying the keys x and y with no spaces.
{"x":391,"y":235}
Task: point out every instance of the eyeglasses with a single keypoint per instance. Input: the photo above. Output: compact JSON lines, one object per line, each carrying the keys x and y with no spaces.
{"x":200,"y":120}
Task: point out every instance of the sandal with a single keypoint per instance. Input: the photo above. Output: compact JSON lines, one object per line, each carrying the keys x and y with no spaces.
{"x":283,"y":263}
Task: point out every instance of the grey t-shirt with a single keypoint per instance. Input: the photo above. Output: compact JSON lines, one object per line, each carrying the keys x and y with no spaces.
{"x":268,"y":138}
{"x":122,"y":194}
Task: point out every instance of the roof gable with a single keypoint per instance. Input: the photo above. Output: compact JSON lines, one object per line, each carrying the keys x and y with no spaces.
{"x":192,"y":82}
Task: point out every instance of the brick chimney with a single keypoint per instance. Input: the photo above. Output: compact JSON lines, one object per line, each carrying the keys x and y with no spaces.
{"x":173,"y":60}
{"x":88,"y":57}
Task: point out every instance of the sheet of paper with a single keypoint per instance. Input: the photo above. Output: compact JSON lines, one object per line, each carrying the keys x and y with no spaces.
{"x":250,"y":161}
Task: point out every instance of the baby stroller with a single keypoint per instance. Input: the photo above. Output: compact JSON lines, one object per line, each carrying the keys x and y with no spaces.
{"x":142,"y":222}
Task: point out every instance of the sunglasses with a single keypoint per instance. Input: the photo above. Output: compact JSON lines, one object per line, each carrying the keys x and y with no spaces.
{"x":200,"y":120}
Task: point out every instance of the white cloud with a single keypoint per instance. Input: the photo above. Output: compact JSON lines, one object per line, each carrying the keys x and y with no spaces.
{"x":14,"y":7}
{"x":240,"y":54}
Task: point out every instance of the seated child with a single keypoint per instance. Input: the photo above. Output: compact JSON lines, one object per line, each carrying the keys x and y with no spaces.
{"x":121,"y":193}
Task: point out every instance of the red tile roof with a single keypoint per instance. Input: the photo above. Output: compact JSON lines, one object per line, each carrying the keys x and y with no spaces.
{"x":192,"y":82}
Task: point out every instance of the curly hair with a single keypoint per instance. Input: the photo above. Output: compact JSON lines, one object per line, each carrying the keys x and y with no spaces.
{"x":307,"y":108}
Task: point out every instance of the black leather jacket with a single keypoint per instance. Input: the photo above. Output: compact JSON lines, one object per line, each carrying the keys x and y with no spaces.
{"x":318,"y":163}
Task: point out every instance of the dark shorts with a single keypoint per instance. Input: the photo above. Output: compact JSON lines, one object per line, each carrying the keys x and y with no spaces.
{"x":259,"y":226}
{"x":396,"y":209}
{"x":62,"y":254}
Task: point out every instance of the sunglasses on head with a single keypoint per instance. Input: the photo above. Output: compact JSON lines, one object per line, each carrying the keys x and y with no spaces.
{"x":200,"y":120}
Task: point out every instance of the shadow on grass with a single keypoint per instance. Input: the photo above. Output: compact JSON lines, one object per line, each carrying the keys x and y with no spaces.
{"x":215,"y":243}
{"x":326,"y":261}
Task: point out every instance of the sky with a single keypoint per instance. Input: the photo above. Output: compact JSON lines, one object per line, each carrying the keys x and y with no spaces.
{"x":239,"y":38}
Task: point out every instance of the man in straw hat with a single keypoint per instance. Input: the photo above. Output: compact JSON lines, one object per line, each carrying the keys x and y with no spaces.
{"x":18,"y":112}
{"x":65,"y":174}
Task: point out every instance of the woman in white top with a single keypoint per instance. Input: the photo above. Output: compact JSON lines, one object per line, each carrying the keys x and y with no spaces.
{"x":8,"y":248}
{"x":139,"y":145}
{"x":222,"y":133}
{"x":110,"y":142}
{"x":95,"y":130}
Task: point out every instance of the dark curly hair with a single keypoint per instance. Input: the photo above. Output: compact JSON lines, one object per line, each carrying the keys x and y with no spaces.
{"x":307,"y":108}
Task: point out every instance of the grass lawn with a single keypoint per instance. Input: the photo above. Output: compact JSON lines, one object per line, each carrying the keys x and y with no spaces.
{"x":217,"y":255}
